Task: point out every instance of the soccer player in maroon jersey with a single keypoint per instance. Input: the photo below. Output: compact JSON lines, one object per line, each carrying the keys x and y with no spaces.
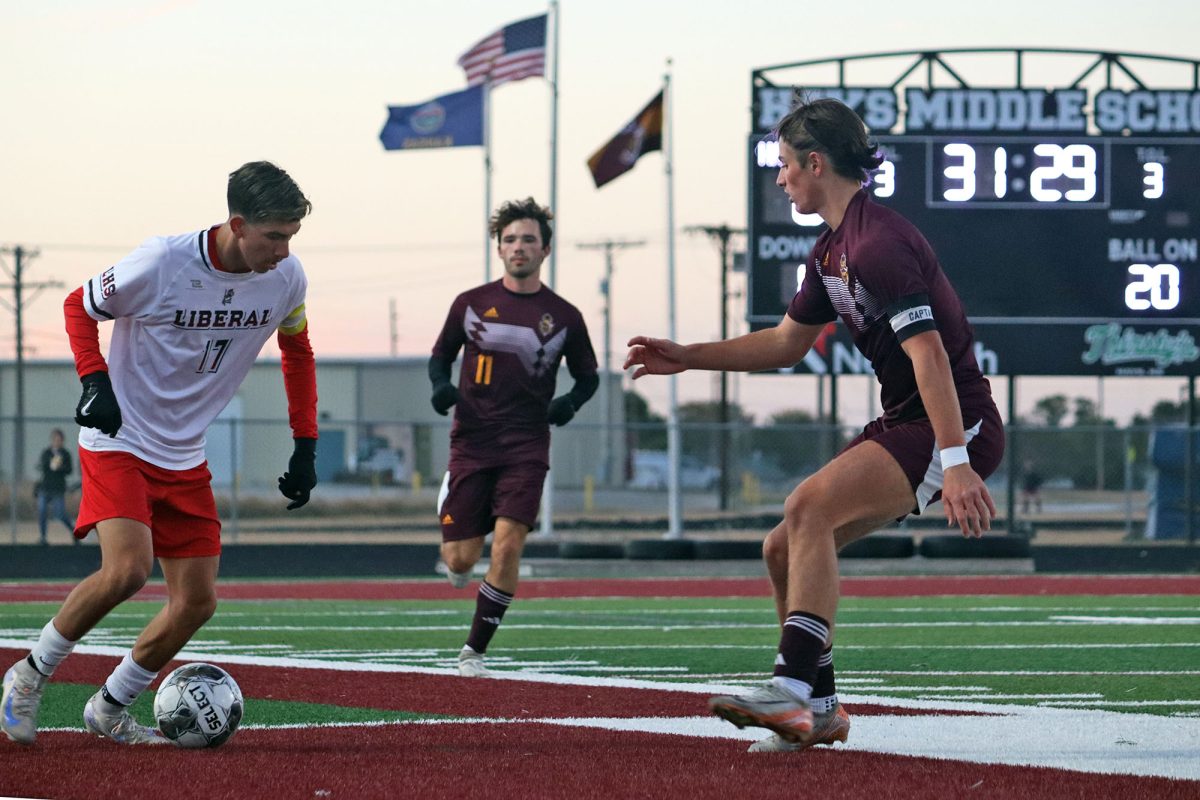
{"x":939,"y":434}
{"x":513,"y":334}
{"x":190,"y":314}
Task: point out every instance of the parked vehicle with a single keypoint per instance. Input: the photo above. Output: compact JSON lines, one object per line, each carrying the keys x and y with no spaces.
{"x":650,"y":471}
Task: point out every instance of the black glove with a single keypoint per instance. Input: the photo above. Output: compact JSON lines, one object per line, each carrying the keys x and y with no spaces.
{"x":301,"y":476}
{"x":444,"y":396}
{"x":561,"y":410}
{"x":98,"y":406}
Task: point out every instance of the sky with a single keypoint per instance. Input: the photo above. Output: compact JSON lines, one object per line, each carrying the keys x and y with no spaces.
{"x":123,"y":119}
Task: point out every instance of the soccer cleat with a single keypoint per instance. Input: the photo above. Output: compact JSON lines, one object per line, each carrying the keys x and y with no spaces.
{"x":769,"y":707}
{"x":470,"y":665}
{"x":23,"y":687}
{"x":458,"y":580}
{"x":120,"y":726}
{"x":826,"y":729}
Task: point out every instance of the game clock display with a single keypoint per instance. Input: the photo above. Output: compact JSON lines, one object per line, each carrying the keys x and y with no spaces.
{"x":1055,"y":228}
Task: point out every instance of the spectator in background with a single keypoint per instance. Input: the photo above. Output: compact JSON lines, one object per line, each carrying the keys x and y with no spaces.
{"x":55,"y":465}
{"x":1031,"y":488}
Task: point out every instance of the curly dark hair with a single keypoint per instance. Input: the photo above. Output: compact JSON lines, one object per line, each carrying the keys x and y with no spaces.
{"x":832,"y":128}
{"x":514,"y":210}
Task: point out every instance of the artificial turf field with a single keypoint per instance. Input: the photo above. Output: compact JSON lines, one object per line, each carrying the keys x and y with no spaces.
{"x":971,"y":687}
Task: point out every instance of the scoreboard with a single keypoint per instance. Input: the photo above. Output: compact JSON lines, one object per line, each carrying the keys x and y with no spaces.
{"x":1073,"y":253}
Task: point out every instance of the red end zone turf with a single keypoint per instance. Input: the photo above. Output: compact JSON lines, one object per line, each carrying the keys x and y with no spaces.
{"x":527,"y":760}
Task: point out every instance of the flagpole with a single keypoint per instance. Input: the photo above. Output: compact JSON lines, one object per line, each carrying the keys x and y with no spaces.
{"x":547,"y":529}
{"x":674,"y":498}
{"x":487,"y":180}
{"x":554,"y":138}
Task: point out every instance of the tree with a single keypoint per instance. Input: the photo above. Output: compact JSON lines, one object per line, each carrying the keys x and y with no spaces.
{"x":1164,"y":412}
{"x":645,"y":430}
{"x":1050,"y":411}
{"x":791,"y":442}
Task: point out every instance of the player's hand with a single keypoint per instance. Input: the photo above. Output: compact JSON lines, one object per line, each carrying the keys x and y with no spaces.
{"x":444,"y":396}
{"x":561,"y":411}
{"x":301,"y":476}
{"x":967,"y":501}
{"x":654,"y":356}
{"x":98,"y":407}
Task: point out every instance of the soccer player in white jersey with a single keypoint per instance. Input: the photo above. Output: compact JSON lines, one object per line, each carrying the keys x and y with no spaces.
{"x":190,"y":313}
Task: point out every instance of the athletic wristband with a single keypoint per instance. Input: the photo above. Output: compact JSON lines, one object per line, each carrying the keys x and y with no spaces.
{"x":953,"y":456}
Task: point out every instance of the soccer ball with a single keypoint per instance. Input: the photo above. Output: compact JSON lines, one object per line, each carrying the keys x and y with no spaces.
{"x":198,"y":705}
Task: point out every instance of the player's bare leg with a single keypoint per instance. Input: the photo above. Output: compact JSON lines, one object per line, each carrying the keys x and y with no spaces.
{"x":126,"y":560}
{"x":191,"y":602}
{"x":814,"y":513}
{"x":495,"y":594}
{"x":460,"y":557}
{"x":831,"y":723}
{"x":507,"y":545}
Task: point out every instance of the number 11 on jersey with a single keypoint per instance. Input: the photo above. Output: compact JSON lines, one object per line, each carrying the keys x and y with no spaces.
{"x":483,"y":369}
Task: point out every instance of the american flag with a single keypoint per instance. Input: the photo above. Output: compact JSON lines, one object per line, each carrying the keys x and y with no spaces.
{"x":514,"y":52}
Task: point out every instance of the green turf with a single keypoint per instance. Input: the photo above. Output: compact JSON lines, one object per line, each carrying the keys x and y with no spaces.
{"x":1133,"y":653}
{"x":62,"y":707}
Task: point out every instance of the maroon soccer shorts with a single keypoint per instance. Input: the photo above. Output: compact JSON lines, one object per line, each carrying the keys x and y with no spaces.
{"x":470,"y":502}
{"x":915,"y":449}
{"x":177,"y":505}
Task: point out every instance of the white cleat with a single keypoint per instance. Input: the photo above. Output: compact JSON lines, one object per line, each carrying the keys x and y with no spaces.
{"x":23,"y":687}
{"x":120,"y":726}
{"x":470,"y":664}
{"x":458,"y":580}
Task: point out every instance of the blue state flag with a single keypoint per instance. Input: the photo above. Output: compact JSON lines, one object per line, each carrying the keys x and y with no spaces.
{"x":452,"y":120}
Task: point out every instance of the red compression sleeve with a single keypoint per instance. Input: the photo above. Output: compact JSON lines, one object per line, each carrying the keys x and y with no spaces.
{"x":299,"y":382}
{"x":83,"y":332}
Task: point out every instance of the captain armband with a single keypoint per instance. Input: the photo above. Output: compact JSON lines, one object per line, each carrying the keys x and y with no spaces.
{"x":911,"y":315}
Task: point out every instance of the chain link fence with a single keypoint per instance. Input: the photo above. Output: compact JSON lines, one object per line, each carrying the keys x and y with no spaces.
{"x":383,"y":477}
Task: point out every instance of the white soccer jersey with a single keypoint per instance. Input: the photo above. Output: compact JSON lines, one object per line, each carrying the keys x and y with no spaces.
{"x":185,"y":336}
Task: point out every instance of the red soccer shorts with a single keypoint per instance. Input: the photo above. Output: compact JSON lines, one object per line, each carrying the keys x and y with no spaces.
{"x":177,"y":505}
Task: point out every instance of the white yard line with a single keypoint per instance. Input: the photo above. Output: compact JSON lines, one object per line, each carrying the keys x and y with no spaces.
{"x":1075,"y":739}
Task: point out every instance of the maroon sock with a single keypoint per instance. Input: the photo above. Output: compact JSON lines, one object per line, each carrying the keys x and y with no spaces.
{"x":490,"y":605}
{"x":800,"y":646}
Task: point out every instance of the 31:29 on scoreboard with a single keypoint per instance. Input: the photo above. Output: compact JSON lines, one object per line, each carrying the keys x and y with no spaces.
{"x":1058,"y":228}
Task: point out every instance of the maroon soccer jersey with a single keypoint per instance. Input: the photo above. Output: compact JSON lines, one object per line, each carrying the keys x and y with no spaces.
{"x":512,"y":346}
{"x":880,"y":276}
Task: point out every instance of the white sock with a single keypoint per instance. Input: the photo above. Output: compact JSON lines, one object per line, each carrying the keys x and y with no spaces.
{"x":793,"y":686}
{"x":468,"y":650}
{"x":128,"y":681}
{"x":823,"y":705}
{"x":51,"y":648}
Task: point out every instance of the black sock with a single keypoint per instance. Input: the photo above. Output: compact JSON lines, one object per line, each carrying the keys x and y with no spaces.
{"x":490,"y":605}
{"x":108,"y":698}
{"x":824,"y":687}
{"x":800,"y":646}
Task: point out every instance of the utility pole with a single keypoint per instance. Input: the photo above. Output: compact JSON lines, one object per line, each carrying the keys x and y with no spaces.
{"x":20,"y":256}
{"x":722,"y":234}
{"x":608,"y":246}
{"x":393,"y":336}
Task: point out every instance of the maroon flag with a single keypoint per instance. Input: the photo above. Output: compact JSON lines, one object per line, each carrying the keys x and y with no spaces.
{"x":642,"y":135}
{"x":514,"y":52}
